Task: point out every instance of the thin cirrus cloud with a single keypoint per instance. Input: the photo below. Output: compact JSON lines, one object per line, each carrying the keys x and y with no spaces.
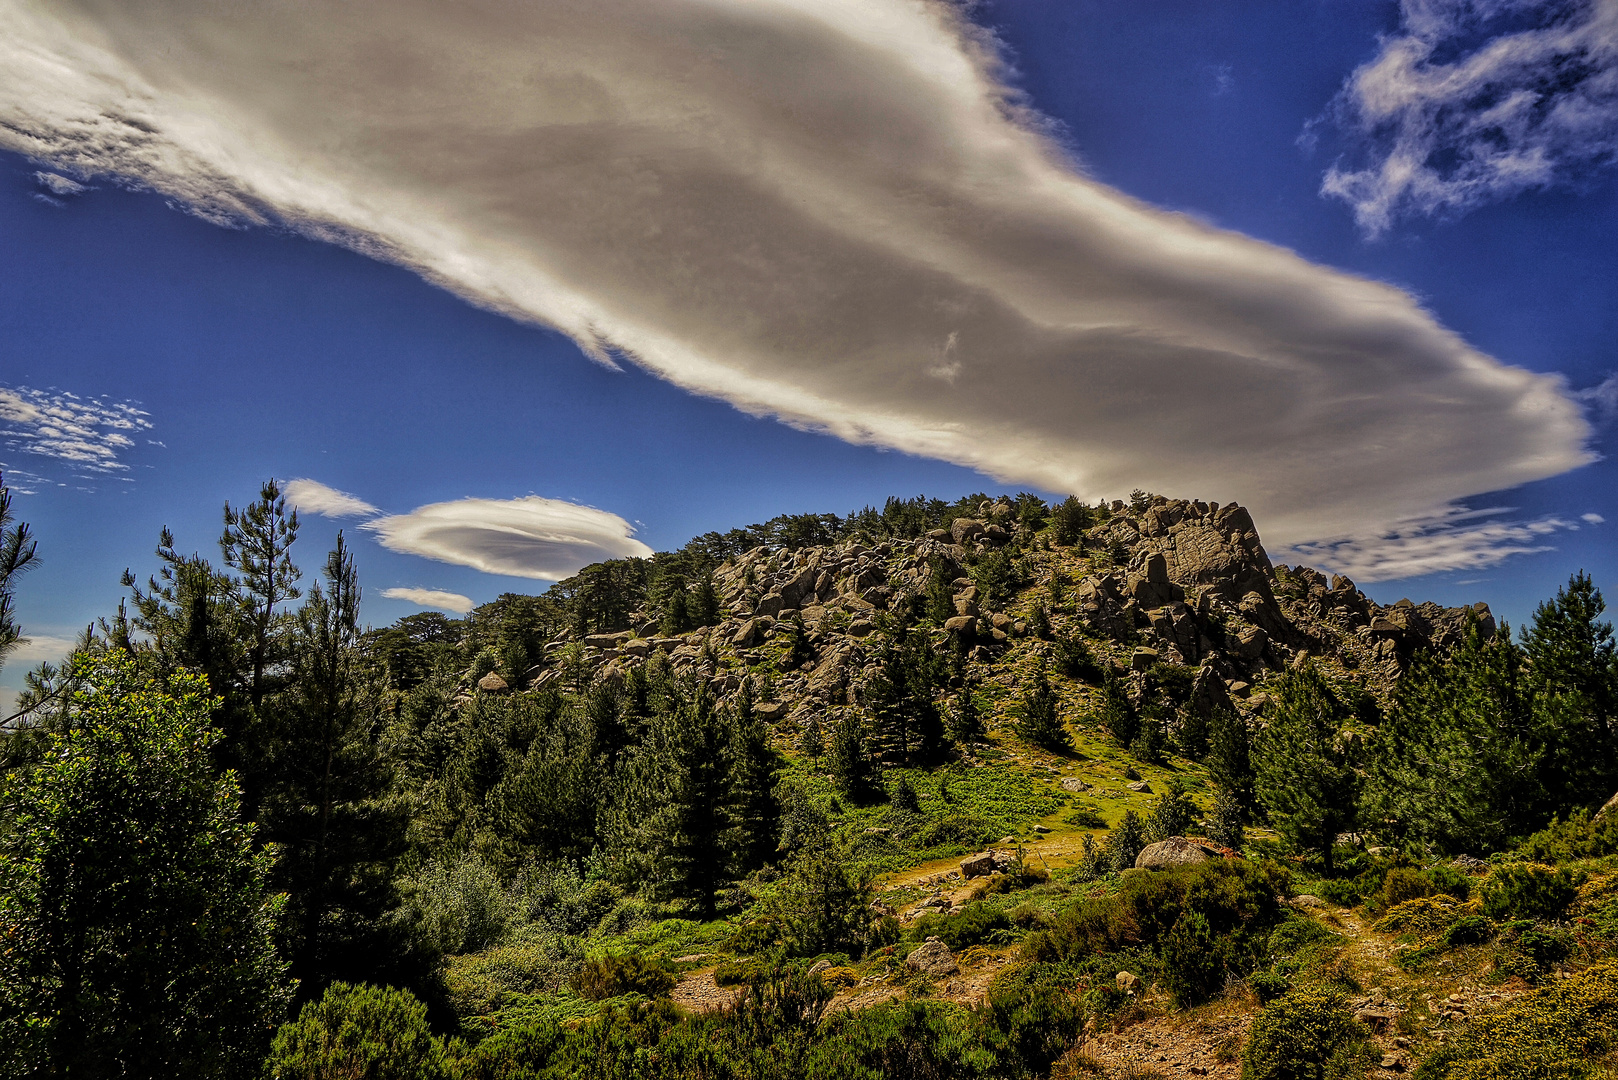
{"x":531,"y":537}
{"x":833,"y":212}
{"x":1457,"y":539}
{"x":85,"y":433}
{"x":1474,"y":101}
{"x":432,"y":598}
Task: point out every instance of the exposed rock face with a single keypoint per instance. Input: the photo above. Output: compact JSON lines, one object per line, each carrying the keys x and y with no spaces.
{"x":933,"y":958}
{"x":980,"y":865}
{"x":1175,"y":851}
{"x":492,"y":683}
{"x":1127,"y":982}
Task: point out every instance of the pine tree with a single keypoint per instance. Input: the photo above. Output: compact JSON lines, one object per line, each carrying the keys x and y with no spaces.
{"x":257,"y":544}
{"x":1173,"y":813}
{"x":17,"y":553}
{"x":965,"y":725}
{"x":1126,"y":841}
{"x":1149,"y":744}
{"x":1070,"y":519}
{"x":754,"y":765}
{"x":1226,"y":820}
{"x":1230,"y":764}
{"x":1306,"y":779}
{"x":1118,"y":716}
{"x":1041,"y":721}
{"x":853,"y":769}
{"x":692,"y":831}
{"x":328,"y":804}
{"x":907,"y":724}
{"x":1455,"y":765}
{"x":705,"y":605}
{"x":1574,"y":680}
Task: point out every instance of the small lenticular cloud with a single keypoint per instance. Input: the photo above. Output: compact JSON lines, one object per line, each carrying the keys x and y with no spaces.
{"x":432,"y":598}
{"x":314,"y":497}
{"x":532,"y":537}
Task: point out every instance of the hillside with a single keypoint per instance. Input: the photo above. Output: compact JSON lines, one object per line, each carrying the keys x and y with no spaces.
{"x":982,"y":789}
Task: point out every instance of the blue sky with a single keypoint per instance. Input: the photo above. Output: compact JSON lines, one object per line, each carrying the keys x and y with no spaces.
{"x":864,"y":270}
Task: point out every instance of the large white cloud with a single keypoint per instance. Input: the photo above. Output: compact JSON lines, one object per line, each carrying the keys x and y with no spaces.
{"x":531,"y":537}
{"x":1479,"y":100}
{"x":827,"y":210}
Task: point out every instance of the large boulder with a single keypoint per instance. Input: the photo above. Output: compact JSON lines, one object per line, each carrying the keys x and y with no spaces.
{"x":963,"y":529}
{"x":1175,"y":851}
{"x":979,"y":865}
{"x":492,"y":683}
{"x":932,"y":957}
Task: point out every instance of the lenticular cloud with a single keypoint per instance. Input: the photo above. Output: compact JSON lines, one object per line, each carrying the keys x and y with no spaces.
{"x":828,"y":211}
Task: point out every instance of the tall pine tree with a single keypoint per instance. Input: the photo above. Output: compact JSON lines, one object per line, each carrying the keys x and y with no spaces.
{"x":1306,"y":779}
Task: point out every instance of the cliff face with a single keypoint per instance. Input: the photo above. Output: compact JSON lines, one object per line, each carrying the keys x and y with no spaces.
{"x":1182,"y":584}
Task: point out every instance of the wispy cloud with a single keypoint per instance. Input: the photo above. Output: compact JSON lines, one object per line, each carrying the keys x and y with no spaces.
{"x":1476,"y":101}
{"x":1459,"y":539}
{"x":316,"y":498}
{"x":789,"y":205}
{"x":88,"y":433}
{"x":41,"y":648}
{"x":432,"y":598}
{"x":1602,"y":399}
{"x":531,"y":537}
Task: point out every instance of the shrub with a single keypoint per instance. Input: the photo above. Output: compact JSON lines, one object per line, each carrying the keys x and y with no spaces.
{"x":1426,"y":918}
{"x":1553,"y":1032}
{"x":968,"y":830}
{"x":1530,"y":891}
{"x":1268,"y":985}
{"x":613,"y":974}
{"x":1400,"y":884}
{"x":1085,"y":817}
{"x":1576,"y":838}
{"x":480,"y":983}
{"x":1450,"y":882}
{"x":1468,"y":930}
{"x":358,"y":1033}
{"x":976,"y":924}
{"x":1306,"y":1034}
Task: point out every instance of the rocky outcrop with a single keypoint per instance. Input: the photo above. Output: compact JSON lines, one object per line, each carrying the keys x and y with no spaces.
{"x":932,"y":958}
{"x":1175,"y":851}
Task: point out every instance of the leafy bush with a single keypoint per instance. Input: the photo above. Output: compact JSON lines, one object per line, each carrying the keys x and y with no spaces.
{"x":1578,"y":837}
{"x":1296,"y":934}
{"x":1203,"y":923}
{"x":1085,"y":817}
{"x":976,"y":924}
{"x":1306,"y":1034}
{"x":1400,"y":884}
{"x":967,"y":830}
{"x":1268,"y":985}
{"x":1468,"y":930}
{"x":457,"y":906}
{"x":1426,"y":918}
{"x":1450,"y":882}
{"x":1530,"y":891}
{"x":358,"y":1033}
{"x":1554,"y":1032}
{"x":610,"y":975}
{"x":480,"y":983}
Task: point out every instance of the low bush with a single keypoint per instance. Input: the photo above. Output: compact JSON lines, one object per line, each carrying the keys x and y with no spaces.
{"x":1553,"y":1033}
{"x":358,"y":1033}
{"x":1083,"y":816}
{"x":968,"y":830}
{"x":1268,"y":985}
{"x":1400,"y":884}
{"x":975,"y":924}
{"x":1202,"y":923}
{"x":1306,"y":1034}
{"x":1579,"y":837}
{"x":1530,"y":891}
{"x":611,"y":975}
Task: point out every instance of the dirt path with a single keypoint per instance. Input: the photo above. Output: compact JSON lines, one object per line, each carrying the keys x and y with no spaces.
{"x":698,"y":992}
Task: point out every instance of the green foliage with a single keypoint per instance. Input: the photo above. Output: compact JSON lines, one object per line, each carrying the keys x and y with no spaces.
{"x":1578,"y":837}
{"x":853,"y":768}
{"x":1225,"y":822}
{"x":17,"y":553}
{"x":1307,"y":1034}
{"x":1530,"y":891}
{"x":1149,"y":744}
{"x":1305,"y":777}
{"x":1229,"y":760}
{"x":964,"y":720}
{"x":1173,"y":813}
{"x":358,"y":1033}
{"x":822,"y":905}
{"x":602,"y":977}
{"x":1070,"y":518}
{"x":1040,"y":722}
{"x":1203,"y":923}
{"x":1075,"y":659}
{"x":132,"y":900}
{"x":1127,"y":840}
{"x":1557,"y":1032}
{"x":1118,"y":717}
{"x":975,"y":924}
